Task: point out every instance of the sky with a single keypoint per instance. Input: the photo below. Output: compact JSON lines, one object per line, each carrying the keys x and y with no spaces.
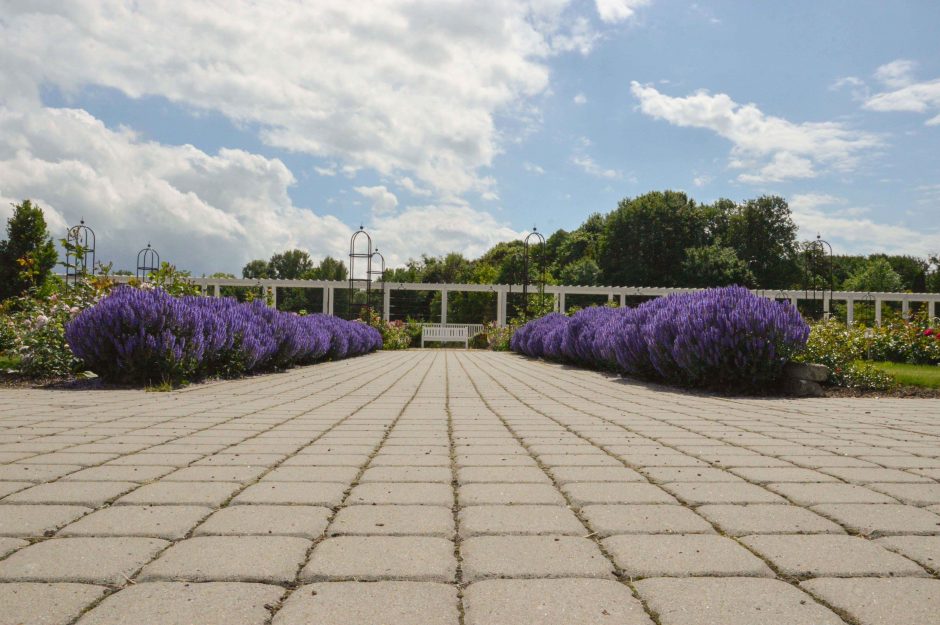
{"x":225,"y":130}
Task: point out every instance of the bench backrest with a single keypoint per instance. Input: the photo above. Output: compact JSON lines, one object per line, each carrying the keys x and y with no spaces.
{"x":438,"y":333}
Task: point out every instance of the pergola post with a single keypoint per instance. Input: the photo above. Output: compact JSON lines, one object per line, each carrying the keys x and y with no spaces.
{"x":794,"y":301}
{"x":387,"y":305}
{"x":501,"y":308}
{"x":330,"y":292}
{"x":849,"y":311}
{"x":443,"y":306}
{"x":274,"y":296}
{"x":326,"y":300}
{"x":932,"y":309}
{"x":877,"y":311}
{"x":216,"y":290}
{"x":561,"y":302}
{"x":623,"y":300}
{"x":905,"y":309}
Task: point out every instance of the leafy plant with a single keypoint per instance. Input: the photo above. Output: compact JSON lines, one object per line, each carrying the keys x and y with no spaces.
{"x":842,"y":348}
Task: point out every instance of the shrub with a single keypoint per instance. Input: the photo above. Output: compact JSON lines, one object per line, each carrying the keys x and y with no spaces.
{"x":842,"y":348}
{"x":725,"y":338}
{"x":147,"y":335}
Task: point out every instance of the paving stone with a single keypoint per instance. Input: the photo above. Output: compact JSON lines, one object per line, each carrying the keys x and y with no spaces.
{"x":150,"y":459}
{"x":875,"y":520}
{"x":343,"y":475}
{"x":905,"y":601}
{"x":737,"y":520}
{"x":30,"y":520}
{"x":552,"y":602}
{"x":493,"y":460}
{"x":181,"y":493}
{"x":431,"y":494}
{"x":505,"y":494}
{"x":532,"y":557}
{"x":215,"y":474}
{"x":697,"y":493}
{"x":273,"y":559}
{"x":441,"y":475}
{"x":110,"y":473}
{"x":823,"y":555}
{"x":812,"y":494}
{"x":169,"y":522}
{"x":60,"y":603}
{"x":519,"y":519}
{"x":328,"y":460}
{"x":375,"y":603}
{"x":690,"y":474}
{"x":768,"y":475}
{"x":867,"y":476}
{"x":35,"y":472}
{"x":587,"y":493}
{"x":180,"y":603}
{"x":608,"y":520}
{"x":7,"y":488}
{"x":98,"y":560}
{"x":424,"y":460}
{"x":732,"y":601}
{"x":510,"y":475}
{"x":924,"y":550}
{"x":91,"y":494}
{"x":292,"y":493}
{"x":417,"y":520}
{"x":681,"y":555}
{"x":914,"y":494}
{"x":236,"y":460}
{"x":369,"y":558}
{"x":9,"y":545}
{"x":261,"y":520}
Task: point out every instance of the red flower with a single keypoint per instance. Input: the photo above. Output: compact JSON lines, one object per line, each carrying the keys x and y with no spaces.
{"x":930,"y":332}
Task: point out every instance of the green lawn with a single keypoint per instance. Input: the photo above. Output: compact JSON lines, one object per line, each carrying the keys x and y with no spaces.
{"x":913,"y":375}
{"x":8,"y":362}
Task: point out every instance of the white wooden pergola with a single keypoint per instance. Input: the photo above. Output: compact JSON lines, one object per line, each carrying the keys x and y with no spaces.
{"x":212,"y":286}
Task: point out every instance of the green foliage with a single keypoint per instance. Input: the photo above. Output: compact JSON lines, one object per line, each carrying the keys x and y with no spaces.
{"x":876,"y":275}
{"x":498,"y":337}
{"x":912,"y":342}
{"x":174,"y":281}
{"x":714,"y":265}
{"x":395,"y":334}
{"x":32,"y":326}
{"x":926,"y":376}
{"x":583,"y":271}
{"x":28,"y":254}
{"x":763,"y":235}
{"x":843,"y":349}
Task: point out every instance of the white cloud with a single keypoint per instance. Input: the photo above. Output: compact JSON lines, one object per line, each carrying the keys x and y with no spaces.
{"x":409,"y":185}
{"x":399,"y":87}
{"x":589,"y":166}
{"x":828,"y":214}
{"x":579,"y":99}
{"x":326,"y":171}
{"x":896,"y":74}
{"x":438,"y":229}
{"x":203,"y":212}
{"x":383,"y":200}
{"x":856,"y":86}
{"x":613,"y":11}
{"x":533,"y":168}
{"x":702,"y":180}
{"x":767,"y":147}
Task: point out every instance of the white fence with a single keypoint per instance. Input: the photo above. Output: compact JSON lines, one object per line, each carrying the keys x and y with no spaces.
{"x":559,"y":293}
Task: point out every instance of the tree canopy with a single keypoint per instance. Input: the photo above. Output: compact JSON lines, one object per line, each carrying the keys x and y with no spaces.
{"x":28,"y":255}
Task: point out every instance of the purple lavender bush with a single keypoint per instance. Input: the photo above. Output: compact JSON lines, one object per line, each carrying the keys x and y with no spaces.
{"x":725,"y":338}
{"x":145,"y":336}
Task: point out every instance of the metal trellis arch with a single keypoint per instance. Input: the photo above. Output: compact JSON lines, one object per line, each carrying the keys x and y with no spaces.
{"x":818,"y":273}
{"x":148,"y":261}
{"x":80,"y":248}
{"x":540,"y":281}
{"x":366,"y":256}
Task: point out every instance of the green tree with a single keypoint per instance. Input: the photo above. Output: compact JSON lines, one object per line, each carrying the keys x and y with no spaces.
{"x":646,"y":237}
{"x":330,"y":269}
{"x":714,"y":265}
{"x":290,"y":265}
{"x":876,"y":276}
{"x":582,"y":272}
{"x":257,"y":269}
{"x":28,"y":254}
{"x":763,"y":235}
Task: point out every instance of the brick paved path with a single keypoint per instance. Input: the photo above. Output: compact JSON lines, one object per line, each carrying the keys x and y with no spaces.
{"x":438,"y":488}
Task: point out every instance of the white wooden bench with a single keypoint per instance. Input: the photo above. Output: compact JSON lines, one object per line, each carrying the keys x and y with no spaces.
{"x":439,"y":334}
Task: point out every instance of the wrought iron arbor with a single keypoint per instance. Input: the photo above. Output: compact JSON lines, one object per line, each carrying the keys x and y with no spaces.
{"x":148,"y":261}
{"x":526,"y":272}
{"x":818,"y":274}
{"x":359,"y":237}
{"x":79,"y":252}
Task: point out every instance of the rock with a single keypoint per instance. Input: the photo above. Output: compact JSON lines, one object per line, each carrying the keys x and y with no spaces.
{"x":806,"y":371}
{"x":802,"y":388}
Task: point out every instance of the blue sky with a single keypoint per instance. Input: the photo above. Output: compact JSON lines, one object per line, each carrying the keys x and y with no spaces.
{"x":224,"y":131}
